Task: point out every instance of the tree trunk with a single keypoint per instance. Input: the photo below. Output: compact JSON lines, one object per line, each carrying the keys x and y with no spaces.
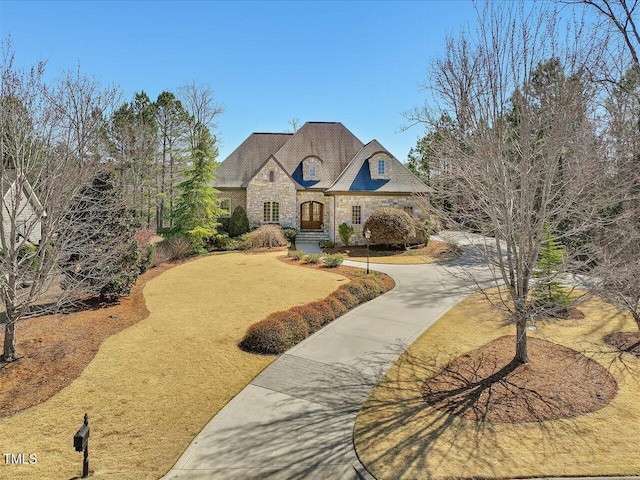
{"x":521,"y":339}
{"x":9,"y":353}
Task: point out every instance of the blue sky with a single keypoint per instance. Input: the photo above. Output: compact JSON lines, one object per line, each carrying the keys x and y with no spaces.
{"x":360,"y":63}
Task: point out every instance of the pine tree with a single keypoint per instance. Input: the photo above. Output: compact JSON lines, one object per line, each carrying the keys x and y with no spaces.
{"x":548,"y":292}
{"x":198,"y":207}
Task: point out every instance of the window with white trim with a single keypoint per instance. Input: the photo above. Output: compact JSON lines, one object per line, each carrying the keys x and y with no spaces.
{"x":225,"y":206}
{"x":382,"y":170}
{"x":271,"y":212}
{"x":356,"y":215}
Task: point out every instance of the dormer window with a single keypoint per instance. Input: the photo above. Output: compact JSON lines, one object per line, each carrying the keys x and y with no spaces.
{"x":311,"y":168}
{"x":382,"y":167}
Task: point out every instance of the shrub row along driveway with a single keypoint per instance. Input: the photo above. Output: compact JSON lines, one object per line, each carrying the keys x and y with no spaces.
{"x":153,"y":386}
{"x":295,"y":420}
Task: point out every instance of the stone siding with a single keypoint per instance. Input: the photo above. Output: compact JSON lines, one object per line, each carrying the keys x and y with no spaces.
{"x":368,"y":203}
{"x":282,"y":190}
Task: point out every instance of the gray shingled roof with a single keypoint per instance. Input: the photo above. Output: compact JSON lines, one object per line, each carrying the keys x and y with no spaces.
{"x":242,"y":163}
{"x":401,"y":180}
{"x":332,"y":142}
{"x":8,"y":177}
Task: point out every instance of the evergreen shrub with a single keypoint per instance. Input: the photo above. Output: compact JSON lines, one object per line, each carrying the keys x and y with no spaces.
{"x":390,"y":226}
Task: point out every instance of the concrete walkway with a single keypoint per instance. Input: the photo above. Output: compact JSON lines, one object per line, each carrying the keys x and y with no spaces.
{"x":295,"y":420}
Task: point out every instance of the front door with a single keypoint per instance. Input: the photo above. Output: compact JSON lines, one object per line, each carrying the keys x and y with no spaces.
{"x":311,"y":216}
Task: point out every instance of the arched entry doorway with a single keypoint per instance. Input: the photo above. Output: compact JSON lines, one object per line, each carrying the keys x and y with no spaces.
{"x":311,"y":216}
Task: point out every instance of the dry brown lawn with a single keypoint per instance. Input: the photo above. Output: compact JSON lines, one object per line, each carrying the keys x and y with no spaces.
{"x":153,"y":386}
{"x":398,"y":435}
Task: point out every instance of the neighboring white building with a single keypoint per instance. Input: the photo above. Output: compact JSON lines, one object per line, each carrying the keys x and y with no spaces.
{"x":19,"y":202}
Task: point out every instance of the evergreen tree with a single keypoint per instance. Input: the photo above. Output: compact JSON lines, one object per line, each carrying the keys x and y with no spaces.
{"x":198,"y":207}
{"x":549,"y":293}
{"x":239,"y":222}
{"x":101,"y":221}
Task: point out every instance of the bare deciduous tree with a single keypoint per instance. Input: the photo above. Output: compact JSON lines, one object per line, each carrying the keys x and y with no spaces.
{"x":199,"y":102}
{"x":45,"y":134}
{"x":523,"y":157}
{"x":622,"y":15}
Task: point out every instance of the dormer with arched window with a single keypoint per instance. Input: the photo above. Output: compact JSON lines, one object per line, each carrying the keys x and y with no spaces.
{"x":311,"y":169}
{"x":380,"y":166}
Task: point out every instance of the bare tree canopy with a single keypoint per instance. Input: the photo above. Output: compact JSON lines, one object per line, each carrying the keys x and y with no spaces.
{"x":47,"y":160}
{"x":516,"y":126}
{"x":622,"y":15}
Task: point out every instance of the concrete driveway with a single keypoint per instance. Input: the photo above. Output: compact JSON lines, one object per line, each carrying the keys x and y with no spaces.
{"x":295,"y":420}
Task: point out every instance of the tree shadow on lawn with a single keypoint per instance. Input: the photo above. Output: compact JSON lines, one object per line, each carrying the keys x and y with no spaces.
{"x":303,"y":428}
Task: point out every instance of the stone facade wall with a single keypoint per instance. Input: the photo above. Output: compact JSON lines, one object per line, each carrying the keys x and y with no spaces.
{"x":368,"y":203}
{"x":282,"y":190}
{"x":237,"y":197}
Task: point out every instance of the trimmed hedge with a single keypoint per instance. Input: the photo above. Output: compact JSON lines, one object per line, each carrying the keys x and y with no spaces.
{"x":275,"y":334}
{"x":311,"y":316}
{"x":390,"y":226}
{"x":325,"y":311}
{"x":282,"y":330}
{"x":337,"y":306}
{"x":346,"y":298}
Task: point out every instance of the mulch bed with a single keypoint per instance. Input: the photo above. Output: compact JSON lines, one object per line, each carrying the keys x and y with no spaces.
{"x":350,"y":272}
{"x":55,"y":349}
{"x":625,"y":342}
{"x":434,"y":248}
{"x":486,"y":385}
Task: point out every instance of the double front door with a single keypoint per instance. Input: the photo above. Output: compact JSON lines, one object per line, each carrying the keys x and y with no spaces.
{"x":311,"y":216}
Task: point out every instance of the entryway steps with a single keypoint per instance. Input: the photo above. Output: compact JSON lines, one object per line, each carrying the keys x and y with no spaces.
{"x":311,"y":236}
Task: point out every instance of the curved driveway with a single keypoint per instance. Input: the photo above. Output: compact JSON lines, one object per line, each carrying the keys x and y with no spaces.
{"x":295,"y":420}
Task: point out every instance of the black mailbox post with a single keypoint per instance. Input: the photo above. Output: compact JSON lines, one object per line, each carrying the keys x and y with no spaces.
{"x":81,"y":443}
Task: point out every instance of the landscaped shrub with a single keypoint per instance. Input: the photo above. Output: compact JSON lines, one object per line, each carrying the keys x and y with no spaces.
{"x":325,"y":311}
{"x":310,"y":315}
{"x":371,"y":288}
{"x":345,"y":231}
{"x":356,"y":289}
{"x":337,"y":306}
{"x":390,"y":226}
{"x":346,"y":298}
{"x":172,"y":248}
{"x":267,"y":236}
{"x":223,"y":224}
{"x":296,"y":254}
{"x":423,"y":230}
{"x":239,"y":222}
{"x":313,"y":258}
{"x":290,"y":234}
{"x":333,"y":260}
{"x":326,"y":244}
{"x":275,"y":334}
